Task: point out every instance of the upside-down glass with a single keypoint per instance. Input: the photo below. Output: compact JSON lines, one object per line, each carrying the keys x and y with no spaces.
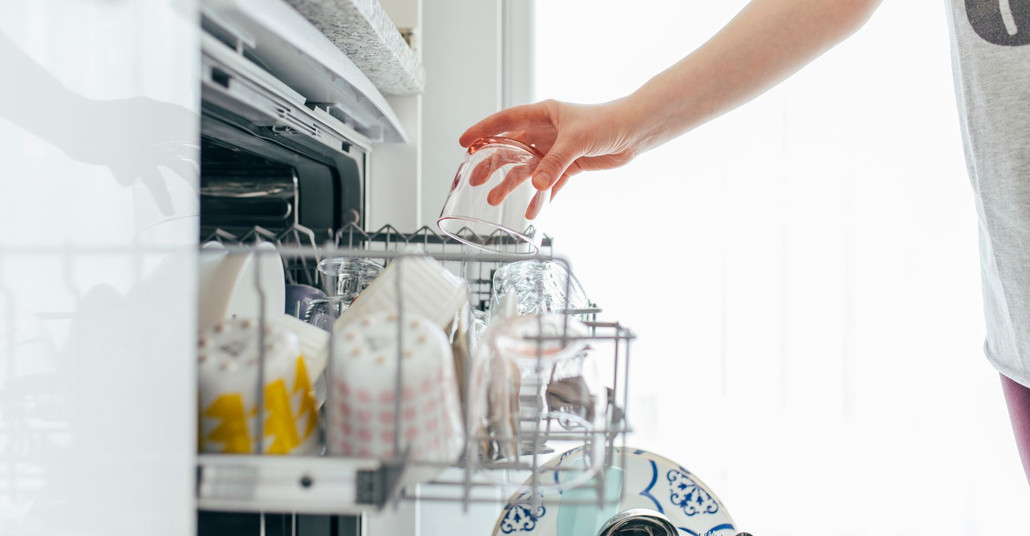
{"x":347,"y":276}
{"x":541,"y":286}
{"x":343,"y":278}
{"x":493,"y":205}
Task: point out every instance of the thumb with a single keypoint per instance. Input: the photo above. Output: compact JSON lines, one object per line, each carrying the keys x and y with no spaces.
{"x":553,"y":165}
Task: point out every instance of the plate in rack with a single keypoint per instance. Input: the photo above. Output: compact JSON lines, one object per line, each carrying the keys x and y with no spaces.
{"x":637,"y":479}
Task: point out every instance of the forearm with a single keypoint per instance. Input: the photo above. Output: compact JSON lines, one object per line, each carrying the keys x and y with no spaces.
{"x":765,"y":43}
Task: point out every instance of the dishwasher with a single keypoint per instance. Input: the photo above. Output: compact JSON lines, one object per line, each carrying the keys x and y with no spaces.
{"x":286,"y":172}
{"x":288,"y":130}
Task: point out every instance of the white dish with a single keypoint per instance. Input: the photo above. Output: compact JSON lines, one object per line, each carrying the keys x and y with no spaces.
{"x":640,"y":479}
{"x":427,"y":288}
{"x":210,"y":278}
{"x":231,"y":284}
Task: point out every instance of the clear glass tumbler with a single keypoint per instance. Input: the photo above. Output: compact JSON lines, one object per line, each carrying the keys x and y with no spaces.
{"x":493,"y":205}
{"x":347,"y":276}
{"x":537,"y":343}
{"x":344,"y":278}
{"x":541,"y":286}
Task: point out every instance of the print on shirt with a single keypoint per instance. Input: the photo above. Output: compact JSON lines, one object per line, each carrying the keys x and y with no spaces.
{"x":1000,"y":22}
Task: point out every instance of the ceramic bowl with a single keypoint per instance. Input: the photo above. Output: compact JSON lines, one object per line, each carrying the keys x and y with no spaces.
{"x":232,"y":284}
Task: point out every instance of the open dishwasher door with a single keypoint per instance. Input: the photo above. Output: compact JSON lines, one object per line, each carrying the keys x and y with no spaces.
{"x":99,"y":119}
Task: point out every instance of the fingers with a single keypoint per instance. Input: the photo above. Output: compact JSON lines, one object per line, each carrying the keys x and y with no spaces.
{"x":481,"y":173}
{"x":457,"y":178}
{"x":554,"y":165}
{"x":558,"y":185}
{"x":536,"y":205}
{"x":490,"y":126}
{"x":515,"y":177}
{"x":509,"y":120}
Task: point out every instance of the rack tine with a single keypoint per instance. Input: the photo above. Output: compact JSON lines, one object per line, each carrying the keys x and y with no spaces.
{"x":222,"y":237}
{"x":256,"y":234}
{"x":294,"y":236}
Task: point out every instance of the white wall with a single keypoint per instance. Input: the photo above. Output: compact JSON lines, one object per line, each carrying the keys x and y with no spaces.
{"x":395,"y":196}
{"x":802,"y":274}
{"x":461,"y":42}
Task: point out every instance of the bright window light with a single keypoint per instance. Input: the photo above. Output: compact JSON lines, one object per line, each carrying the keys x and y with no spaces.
{"x":802,"y":276}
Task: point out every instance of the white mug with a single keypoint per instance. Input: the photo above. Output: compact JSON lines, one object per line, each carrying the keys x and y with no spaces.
{"x":229,"y":365}
{"x":369,"y":417}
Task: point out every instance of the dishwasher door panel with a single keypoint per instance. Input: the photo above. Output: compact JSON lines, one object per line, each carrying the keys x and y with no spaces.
{"x":99,"y":124}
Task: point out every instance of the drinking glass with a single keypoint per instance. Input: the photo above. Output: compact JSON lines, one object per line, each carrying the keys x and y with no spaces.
{"x":344,"y":279}
{"x":493,"y":205}
{"x":541,"y":286}
{"x":347,"y":276}
{"x":538,"y":343}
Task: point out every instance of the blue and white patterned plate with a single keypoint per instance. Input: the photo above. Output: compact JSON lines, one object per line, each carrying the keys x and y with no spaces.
{"x":638,"y":479}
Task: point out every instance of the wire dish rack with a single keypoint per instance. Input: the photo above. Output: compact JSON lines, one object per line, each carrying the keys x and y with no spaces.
{"x":332,"y":484}
{"x":303,"y":250}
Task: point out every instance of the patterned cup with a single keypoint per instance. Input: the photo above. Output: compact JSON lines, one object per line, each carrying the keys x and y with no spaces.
{"x":390,"y":395}
{"x":230,"y":358}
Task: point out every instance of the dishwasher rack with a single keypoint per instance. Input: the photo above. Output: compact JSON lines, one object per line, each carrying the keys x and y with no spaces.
{"x":336,"y":485}
{"x":305,"y":249}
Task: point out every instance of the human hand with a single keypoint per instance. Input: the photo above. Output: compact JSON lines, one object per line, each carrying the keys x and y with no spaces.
{"x":517,"y":159}
{"x":571,"y":138}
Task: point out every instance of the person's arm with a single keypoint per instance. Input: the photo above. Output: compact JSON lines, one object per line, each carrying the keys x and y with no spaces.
{"x":765,"y":43}
{"x":768,"y":41}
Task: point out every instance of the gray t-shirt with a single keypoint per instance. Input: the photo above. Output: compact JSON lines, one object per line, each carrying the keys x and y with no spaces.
{"x":991,"y":62}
